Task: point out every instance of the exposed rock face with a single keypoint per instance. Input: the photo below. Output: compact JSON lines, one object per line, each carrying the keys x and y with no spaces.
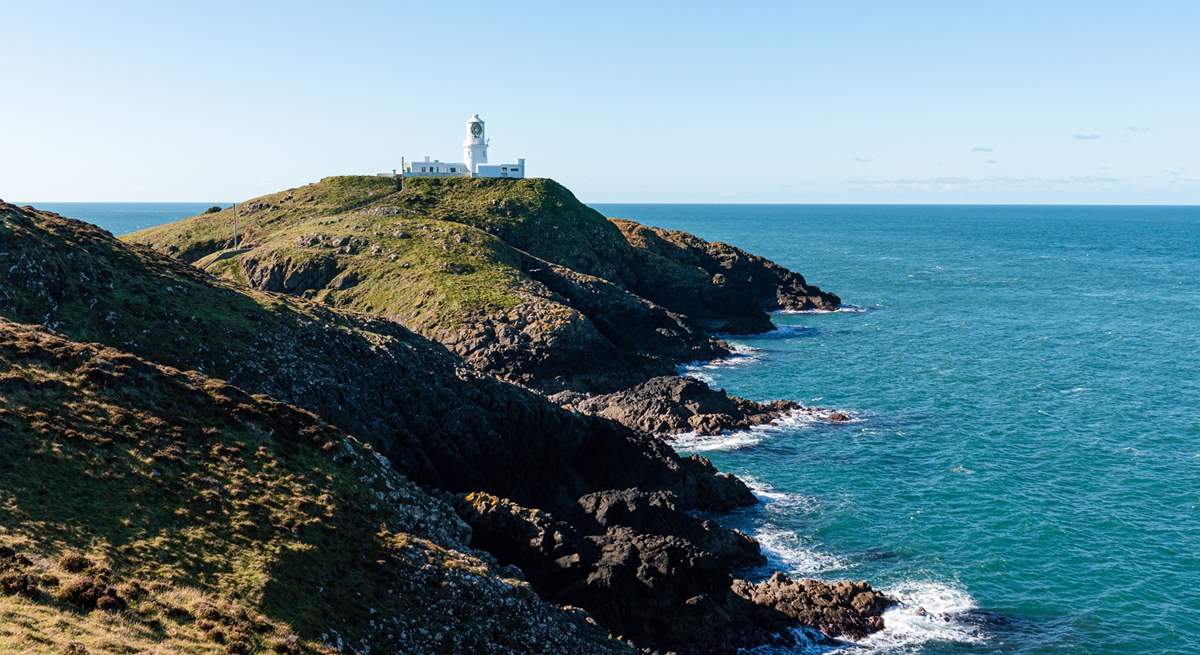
{"x":439,"y":422}
{"x":225,"y":522}
{"x":850,"y":609}
{"x":667,"y":587}
{"x":516,"y":276}
{"x":522,"y":281}
{"x":596,"y":514}
{"x":721,"y":287}
{"x":674,"y":404}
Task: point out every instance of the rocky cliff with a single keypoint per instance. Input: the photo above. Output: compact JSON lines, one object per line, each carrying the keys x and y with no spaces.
{"x":149,"y":509}
{"x":516,"y":276}
{"x":596,"y":515}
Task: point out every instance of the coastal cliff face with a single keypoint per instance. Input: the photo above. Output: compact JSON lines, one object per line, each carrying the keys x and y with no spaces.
{"x":517,"y":277}
{"x":148,"y":508}
{"x":595,"y":514}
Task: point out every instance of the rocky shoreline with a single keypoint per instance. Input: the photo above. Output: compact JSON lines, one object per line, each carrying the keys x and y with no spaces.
{"x":502,"y":346}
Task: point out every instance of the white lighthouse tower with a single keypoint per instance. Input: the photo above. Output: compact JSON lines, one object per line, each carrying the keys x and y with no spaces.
{"x":475,"y":145}
{"x":475,"y":155}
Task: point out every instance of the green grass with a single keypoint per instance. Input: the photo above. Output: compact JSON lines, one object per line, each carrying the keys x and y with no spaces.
{"x":206,"y":233}
{"x":535,"y":215}
{"x":218,"y":522}
{"x":441,"y":254}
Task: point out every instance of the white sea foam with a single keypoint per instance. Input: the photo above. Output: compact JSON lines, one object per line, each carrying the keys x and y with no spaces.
{"x":794,"y":554}
{"x":906,"y":628}
{"x":699,"y":443}
{"x":782,"y":332}
{"x":774,"y":500}
{"x":844,"y":309}
{"x":926,"y":611}
{"x":789,"y":421}
{"x":742,"y":355}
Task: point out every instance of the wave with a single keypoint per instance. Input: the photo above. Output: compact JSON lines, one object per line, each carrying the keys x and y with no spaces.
{"x":927,"y":612}
{"x":791,"y":420}
{"x":742,"y":355}
{"x":780,"y":332}
{"x":774,"y":500}
{"x":699,"y":443}
{"x":793,"y":554}
{"x":842,"y":309}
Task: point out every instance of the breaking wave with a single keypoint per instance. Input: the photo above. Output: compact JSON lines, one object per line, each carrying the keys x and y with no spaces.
{"x":788,"y":332}
{"x":742,"y":355}
{"x":927,"y":612}
{"x":843,"y":309}
{"x":788,"y":551}
{"x":774,"y":500}
{"x":791,"y":420}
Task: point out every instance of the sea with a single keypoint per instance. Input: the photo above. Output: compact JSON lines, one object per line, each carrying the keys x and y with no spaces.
{"x":1022,"y":467}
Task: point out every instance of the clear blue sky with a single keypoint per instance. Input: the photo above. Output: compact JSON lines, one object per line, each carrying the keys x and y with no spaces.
{"x":644,"y":101}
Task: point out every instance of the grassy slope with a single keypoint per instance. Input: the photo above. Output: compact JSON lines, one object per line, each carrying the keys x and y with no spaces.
{"x":448,"y":258}
{"x":208,"y":520}
{"x":432,"y":275}
{"x":367,"y":375}
{"x":439,"y":259}
{"x":71,"y":276}
{"x":536,"y":215}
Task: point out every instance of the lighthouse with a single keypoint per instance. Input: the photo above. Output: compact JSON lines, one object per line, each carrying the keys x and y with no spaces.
{"x":475,"y":157}
{"x":475,"y":145}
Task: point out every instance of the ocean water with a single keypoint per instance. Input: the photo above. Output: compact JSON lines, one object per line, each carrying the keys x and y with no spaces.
{"x":1024,"y":463}
{"x":125,"y":217}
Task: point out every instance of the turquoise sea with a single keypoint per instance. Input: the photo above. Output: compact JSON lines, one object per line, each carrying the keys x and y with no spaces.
{"x":1026,"y":460}
{"x":125,"y":217}
{"x":1024,"y":463}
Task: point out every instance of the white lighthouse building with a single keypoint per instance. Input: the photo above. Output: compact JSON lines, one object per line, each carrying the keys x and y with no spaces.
{"x":475,"y":147}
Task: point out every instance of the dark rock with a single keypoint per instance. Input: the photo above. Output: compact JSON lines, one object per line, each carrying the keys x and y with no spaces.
{"x":674,"y":404}
{"x":845,"y":608}
{"x":680,"y":271}
{"x":667,"y":587}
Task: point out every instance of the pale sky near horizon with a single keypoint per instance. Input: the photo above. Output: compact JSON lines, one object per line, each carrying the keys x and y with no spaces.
{"x":1007,"y":102}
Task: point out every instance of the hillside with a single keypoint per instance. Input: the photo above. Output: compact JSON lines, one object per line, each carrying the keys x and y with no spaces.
{"x":509,"y":459}
{"x":516,"y":276}
{"x":151,"y":509}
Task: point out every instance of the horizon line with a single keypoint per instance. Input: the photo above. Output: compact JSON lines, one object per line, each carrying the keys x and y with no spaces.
{"x":685,"y":202}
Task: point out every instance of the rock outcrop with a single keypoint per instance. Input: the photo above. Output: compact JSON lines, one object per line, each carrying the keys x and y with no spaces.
{"x":838,"y":609}
{"x":156,"y":510}
{"x":516,"y":276}
{"x":596,"y":514}
{"x":720,"y":287}
{"x":676,"y":404}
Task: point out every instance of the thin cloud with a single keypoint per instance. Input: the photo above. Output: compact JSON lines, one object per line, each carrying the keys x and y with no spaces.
{"x":862,"y":160}
{"x":956,"y":181}
{"x":991,"y":161}
{"x":1083,"y":179}
{"x":982,"y":149}
{"x":1089,"y":136}
{"x":1137,"y":130}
